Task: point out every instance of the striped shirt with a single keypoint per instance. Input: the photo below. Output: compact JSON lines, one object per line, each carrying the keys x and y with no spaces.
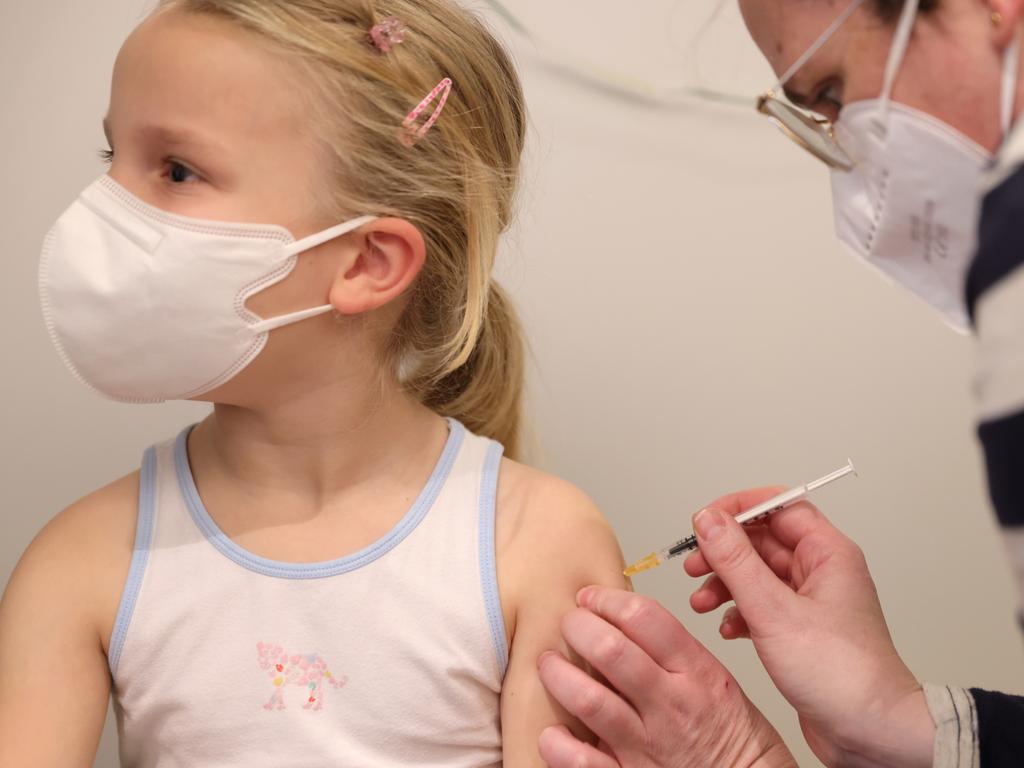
{"x":976,"y":728}
{"x":995,"y":298}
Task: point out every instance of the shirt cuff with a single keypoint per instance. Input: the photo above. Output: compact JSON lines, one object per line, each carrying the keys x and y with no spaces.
{"x":956,"y":726}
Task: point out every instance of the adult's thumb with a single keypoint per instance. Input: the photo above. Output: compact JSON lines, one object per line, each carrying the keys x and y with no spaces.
{"x":758,"y":592}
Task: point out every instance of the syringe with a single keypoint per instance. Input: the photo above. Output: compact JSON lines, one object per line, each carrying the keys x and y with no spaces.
{"x":779,"y":503}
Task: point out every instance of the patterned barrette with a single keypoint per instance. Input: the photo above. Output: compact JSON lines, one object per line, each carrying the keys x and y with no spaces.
{"x":411,"y":132}
{"x":388,"y":34}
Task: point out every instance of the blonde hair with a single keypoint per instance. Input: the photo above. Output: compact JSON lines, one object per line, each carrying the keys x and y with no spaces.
{"x":458,"y":342}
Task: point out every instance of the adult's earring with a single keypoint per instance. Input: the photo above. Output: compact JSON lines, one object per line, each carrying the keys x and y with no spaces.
{"x":997,"y":18}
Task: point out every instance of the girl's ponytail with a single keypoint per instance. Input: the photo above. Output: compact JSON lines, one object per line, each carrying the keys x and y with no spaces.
{"x":486,"y":392}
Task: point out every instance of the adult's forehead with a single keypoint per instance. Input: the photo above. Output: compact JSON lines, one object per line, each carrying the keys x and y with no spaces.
{"x":784,"y":29}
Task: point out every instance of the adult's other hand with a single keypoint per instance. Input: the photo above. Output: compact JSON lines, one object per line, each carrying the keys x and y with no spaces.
{"x":674,"y":704}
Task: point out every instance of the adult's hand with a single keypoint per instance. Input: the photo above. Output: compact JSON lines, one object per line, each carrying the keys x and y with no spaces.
{"x":806,"y":599}
{"x":675,"y":704}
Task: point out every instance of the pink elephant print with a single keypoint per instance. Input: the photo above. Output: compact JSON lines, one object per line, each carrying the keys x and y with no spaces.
{"x":308,"y":671}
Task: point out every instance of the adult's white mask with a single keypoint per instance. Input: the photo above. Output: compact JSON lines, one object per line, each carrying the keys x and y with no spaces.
{"x":146,"y":306}
{"x":910,"y":204}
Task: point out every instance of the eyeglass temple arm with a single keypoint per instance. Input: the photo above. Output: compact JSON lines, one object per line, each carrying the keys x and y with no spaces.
{"x":817,"y":46}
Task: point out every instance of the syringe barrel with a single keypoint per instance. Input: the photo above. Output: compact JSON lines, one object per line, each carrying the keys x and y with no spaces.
{"x":679,"y":548}
{"x":773,"y":505}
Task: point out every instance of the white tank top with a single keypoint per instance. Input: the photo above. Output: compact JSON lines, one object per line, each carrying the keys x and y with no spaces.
{"x":393,"y":656}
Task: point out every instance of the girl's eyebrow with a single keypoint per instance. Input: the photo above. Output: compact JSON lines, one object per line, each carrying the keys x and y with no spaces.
{"x":173,"y":136}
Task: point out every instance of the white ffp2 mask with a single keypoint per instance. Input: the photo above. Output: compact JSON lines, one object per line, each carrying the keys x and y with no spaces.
{"x":910,"y":206}
{"x":146,"y":306}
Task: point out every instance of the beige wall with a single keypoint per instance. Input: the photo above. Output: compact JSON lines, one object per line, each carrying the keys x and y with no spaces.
{"x":695,"y":329}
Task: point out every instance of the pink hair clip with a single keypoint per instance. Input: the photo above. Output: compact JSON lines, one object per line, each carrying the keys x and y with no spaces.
{"x":410,"y":132}
{"x":388,"y":34}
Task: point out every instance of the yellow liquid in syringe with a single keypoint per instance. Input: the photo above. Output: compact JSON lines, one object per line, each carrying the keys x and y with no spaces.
{"x":650,"y":562}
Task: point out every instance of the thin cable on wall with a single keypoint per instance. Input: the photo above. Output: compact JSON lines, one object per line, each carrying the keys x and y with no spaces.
{"x":617,"y":84}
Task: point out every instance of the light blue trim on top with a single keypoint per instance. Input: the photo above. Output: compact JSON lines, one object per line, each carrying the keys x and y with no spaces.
{"x":283,"y":570}
{"x":140,"y":555}
{"x":488,"y":562}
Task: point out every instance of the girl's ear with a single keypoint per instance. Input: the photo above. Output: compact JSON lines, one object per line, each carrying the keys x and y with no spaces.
{"x":390,"y":256}
{"x":1008,"y":21}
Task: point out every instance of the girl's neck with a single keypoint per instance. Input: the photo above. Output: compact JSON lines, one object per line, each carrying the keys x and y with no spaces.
{"x":318,"y":443}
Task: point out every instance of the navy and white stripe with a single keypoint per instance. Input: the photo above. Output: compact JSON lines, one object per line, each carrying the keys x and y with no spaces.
{"x":995,"y":298}
{"x":994,"y":726}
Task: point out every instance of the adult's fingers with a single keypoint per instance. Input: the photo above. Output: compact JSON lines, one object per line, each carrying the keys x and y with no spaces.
{"x":732,"y":504}
{"x":793,"y":525}
{"x":778,"y":556}
{"x":560,"y":749}
{"x":734,"y":626}
{"x":601,"y":710}
{"x":648,"y":624}
{"x":711,"y":595}
{"x":758,"y":592}
{"x":629,"y":669}
{"x":789,"y":527}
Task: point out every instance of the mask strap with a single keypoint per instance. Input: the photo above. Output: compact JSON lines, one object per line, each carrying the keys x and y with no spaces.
{"x":308,"y":243}
{"x":900,"y":43}
{"x":1011,"y":63}
{"x":818,"y":44}
{"x":266,"y":326}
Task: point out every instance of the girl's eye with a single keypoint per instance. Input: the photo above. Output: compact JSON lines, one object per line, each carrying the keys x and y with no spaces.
{"x":177,"y":173}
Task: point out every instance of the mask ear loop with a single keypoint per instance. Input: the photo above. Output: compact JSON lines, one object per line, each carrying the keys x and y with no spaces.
{"x":1011,"y":63}
{"x":293,"y":250}
{"x":308,"y":243}
{"x":900,"y":43}
{"x":266,"y":326}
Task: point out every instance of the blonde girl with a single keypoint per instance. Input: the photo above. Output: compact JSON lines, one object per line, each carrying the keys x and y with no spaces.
{"x":337,"y":566}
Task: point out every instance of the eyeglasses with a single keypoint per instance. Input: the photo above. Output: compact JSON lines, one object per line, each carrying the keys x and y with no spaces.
{"x":812,"y":132}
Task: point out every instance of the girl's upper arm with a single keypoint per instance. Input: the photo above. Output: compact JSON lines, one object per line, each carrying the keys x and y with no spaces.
{"x":54,"y":679}
{"x":552,"y":542}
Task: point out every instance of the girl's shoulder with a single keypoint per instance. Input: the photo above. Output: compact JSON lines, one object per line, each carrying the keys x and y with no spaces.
{"x":55,"y":621}
{"x":80,"y":558}
{"x":535,"y":507}
{"x":551,"y":540}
